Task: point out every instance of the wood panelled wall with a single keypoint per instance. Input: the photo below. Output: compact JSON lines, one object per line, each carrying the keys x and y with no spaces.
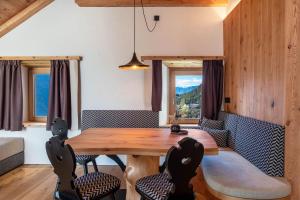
{"x":253,"y":47}
{"x":262,"y":69}
{"x":292,"y":95}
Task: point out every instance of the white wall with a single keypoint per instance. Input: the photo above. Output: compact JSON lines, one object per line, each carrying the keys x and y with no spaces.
{"x":232,"y":4}
{"x":103,"y":36}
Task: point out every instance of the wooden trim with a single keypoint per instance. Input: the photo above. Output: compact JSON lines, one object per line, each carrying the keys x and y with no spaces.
{"x":35,"y":64}
{"x":172,"y":73}
{"x":152,"y":3}
{"x":40,"y":58}
{"x":31,"y":99}
{"x":23,"y":15}
{"x":170,"y":58}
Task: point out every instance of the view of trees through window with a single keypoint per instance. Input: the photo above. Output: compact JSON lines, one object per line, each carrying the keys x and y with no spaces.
{"x":188,"y":96}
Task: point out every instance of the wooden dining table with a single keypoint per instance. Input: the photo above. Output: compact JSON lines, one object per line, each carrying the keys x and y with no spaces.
{"x":143,"y":148}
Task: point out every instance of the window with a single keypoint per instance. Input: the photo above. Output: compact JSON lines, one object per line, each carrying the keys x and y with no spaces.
{"x":38,"y":93}
{"x":185,"y":95}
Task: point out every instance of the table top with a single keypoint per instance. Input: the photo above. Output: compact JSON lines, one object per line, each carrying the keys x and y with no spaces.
{"x":135,"y":141}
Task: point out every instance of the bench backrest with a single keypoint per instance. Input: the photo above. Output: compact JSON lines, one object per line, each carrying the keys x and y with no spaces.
{"x":119,"y":119}
{"x":260,"y":142}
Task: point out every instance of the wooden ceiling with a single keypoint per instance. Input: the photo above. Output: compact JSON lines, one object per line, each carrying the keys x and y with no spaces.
{"x":14,"y":12}
{"x":151,"y":3}
{"x":9,"y":8}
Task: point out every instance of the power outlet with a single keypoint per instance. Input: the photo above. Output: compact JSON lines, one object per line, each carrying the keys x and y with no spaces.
{"x":156,"y":18}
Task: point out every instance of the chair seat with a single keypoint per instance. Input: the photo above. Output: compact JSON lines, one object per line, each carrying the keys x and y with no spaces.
{"x":85,"y":157}
{"x":231,"y":174}
{"x":156,"y":187}
{"x":96,"y":185}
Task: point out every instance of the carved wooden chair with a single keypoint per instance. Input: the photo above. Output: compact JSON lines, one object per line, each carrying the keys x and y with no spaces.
{"x":92,"y":186}
{"x":60,"y":129}
{"x":174,"y":183}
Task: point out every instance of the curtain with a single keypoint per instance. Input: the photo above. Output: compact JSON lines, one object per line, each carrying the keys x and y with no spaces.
{"x":59,"y":93}
{"x":75,"y":94}
{"x":156,"y":85}
{"x":11,"y":96}
{"x":212,"y":88}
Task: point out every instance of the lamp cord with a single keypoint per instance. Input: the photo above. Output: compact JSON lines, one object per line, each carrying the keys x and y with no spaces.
{"x":146,"y":22}
{"x":134,"y":25}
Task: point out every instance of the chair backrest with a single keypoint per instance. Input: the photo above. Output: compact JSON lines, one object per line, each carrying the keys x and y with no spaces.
{"x":119,"y":119}
{"x":60,"y":128}
{"x":62,"y":158}
{"x":181,"y":164}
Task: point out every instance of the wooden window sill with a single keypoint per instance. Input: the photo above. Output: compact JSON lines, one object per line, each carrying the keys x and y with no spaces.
{"x":34,"y":124}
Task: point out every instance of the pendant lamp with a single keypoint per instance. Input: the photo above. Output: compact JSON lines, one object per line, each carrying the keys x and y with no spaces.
{"x":134,"y":63}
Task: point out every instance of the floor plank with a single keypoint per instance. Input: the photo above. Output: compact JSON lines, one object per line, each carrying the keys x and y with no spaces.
{"x":37,"y":182}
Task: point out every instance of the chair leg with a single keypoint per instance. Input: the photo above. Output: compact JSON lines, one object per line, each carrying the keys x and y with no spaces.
{"x":95,"y":165}
{"x":85,"y":167}
{"x":118,"y":161}
{"x":112,"y":196}
{"x":162,"y":167}
{"x":55,"y":191}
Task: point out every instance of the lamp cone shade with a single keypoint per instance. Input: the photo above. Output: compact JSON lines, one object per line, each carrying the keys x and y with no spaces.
{"x":134,"y":64}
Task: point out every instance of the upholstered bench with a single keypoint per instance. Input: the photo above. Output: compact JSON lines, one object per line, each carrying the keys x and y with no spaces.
{"x":253,"y":165}
{"x":11,"y":153}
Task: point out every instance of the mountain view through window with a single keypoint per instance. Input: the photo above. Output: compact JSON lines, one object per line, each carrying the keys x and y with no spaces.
{"x":188,"y":96}
{"x":41,"y":94}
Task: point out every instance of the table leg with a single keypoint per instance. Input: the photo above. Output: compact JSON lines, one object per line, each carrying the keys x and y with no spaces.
{"x":138,"y":167}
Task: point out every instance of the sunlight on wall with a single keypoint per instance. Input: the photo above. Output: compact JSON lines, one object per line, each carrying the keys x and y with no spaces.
{"x":231,"y":5}
{"x":220,"y":11}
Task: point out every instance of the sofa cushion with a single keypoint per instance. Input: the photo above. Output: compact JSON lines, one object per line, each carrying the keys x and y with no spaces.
{"x":119,"y":119}
{"x":10,"y":146}
{"x":230,"y":124}
{"x":231,"y":174}
{"x":213,"y":124}
{"x":262,"y":144}
{"x":220,"y":136}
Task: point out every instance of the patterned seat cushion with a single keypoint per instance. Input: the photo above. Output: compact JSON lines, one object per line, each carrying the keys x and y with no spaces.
{"x":81,"y":158}
{"x":220,"y":136}
{"x":96,"y":185}
{"x":213,"y":124}
{"x":156,"y":187}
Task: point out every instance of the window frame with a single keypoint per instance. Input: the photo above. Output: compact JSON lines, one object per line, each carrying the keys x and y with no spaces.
{"x":31,"y":93}
{"x":173,"y":71}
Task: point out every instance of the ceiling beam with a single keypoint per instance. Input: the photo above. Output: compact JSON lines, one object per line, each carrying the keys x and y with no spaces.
{"x":23,"y":15}
{"x":151,"y":3}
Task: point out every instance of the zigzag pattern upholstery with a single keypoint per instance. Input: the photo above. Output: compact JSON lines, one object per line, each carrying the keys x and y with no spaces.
{"x":260,"y":142}
{"x":172,"y":185}
{"x":156,"y":187}
{"x":119,"y":119}
{"x":81,"y":158}
{"x":213,"y":124}
{"x":230,"y":124}
{"x":220,"y":136}
{"x":96,"y":185}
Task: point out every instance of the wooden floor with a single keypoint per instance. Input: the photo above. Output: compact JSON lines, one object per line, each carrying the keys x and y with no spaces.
{"x":37,"y":182}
